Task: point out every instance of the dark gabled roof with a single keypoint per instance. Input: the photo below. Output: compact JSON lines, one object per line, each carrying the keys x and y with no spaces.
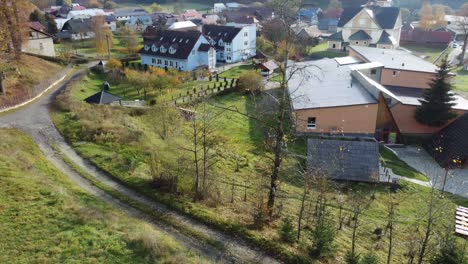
{"x":102,"y":97}
{"x":348,"y":14}
{"x":78,"y":25}
{"x":204,"y":47}
{"x":360,"y":35}
{"x":344,"y":160}
{"x":111,"y":18}
{"x":336,"y":36}
{"x":183,"y":41}
{"x":325,"y":23}
{"x":453,"y":142}
{"x":385,"y":17}
{"x":215,"y":32}
{"x":385,"y":38}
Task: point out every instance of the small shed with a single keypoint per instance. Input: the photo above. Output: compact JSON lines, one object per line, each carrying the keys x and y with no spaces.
{"x":102,"y":97}
{"x":350,"y":160}
{"x":268,"y":67}
{"x":105,"y":86}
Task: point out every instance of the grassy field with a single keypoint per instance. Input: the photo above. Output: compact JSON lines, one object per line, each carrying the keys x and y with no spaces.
{"x":242,"y":163}
{"x":428,"y":53}
{"x":460,"y":82}
{"x":44,"y":218}
{"x":400,"y":167}
{"x":21,"y":78}
{"x":237,"y":71}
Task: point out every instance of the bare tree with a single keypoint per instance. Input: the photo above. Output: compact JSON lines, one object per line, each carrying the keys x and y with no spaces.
{"x":462,"y":25}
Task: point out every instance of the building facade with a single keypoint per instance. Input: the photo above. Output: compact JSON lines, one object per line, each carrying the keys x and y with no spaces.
{"x":39,"y":42}
{"x":181,"y":50}
{"x":370,"y":26}
{"x":233,"y":42}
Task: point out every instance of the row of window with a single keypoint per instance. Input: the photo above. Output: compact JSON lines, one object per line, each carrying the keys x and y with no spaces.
{"x":174,"y":64}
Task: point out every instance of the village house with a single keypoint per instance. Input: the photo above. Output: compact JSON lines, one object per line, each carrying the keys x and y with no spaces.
{"x":310,"y":15}
{"x":111,"y":23}
{"x":181,"y":50}
{"x":369,"y":26}
{"x":219,"y":7}
{"x":39,"y":42}
{"x":77,"y":29}
{"x":371,"y":93}
{"x":124,"y":15}
{"x":233,"y":43}
{"x":191,"y":15}
{"x":184,"y":26}
{"x":139,"y":23}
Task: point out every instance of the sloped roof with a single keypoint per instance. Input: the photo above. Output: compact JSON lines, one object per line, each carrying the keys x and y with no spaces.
{"x":336,"y":36}
{"x":182,"y":24}
{"x":215,"y":32}
{"x":344,"y":160}
{"x":36,"y":25}
{"x":385,"y":38}
{"x":183,"y":41}
{"x":204,"y":47}
{"x":102,"y":97}
{"x":360,"y":35}
{"x":269,"y":65}
{"x":78,"y":25}
{"x":385,"y":17}
{"x":453,"y":140}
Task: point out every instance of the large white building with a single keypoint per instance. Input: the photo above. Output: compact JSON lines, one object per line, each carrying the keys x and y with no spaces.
{"x":181,"y":50}
{"x":39,"y":42}
{"x":369,"y":26}
{"x":233,"y":42}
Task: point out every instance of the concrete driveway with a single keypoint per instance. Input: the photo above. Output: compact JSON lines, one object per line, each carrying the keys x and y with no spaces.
{"x":418,"y":158}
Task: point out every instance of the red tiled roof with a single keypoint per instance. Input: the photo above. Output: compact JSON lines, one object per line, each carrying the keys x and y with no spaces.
{"x":421,"y":36}
{"x":36,"y":25}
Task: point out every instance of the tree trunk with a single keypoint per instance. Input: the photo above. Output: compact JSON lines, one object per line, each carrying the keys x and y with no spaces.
{"x":355,"y":225}
{"x":462,"y":56}
{"x":195,"y":154}
{"x":390,"y":227}
{"x":427,"y":234}
{"x":301,"y":211}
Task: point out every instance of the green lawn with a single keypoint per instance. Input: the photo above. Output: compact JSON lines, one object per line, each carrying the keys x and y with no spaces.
{"x":460,"y":81}
{"x":398,"y":166}
{"x":44,"y":218}
{"x":321,"y":51}
{"x":428,"y":53}
{"x":242,"y":158}
{"x":237,"y":71}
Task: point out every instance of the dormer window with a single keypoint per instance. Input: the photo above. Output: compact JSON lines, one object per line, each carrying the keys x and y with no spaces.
{"x":161,"y":38}
{"x":180,"y":41}
{"x":213,"y":42}
{"x":147,"y":47}
{"x":174,"y":40}
{"x":172,"y":50}
{"x":221,"y":43}
{"x":162,"y":49}
{"x":187,"y":41}
{"x":154,"y":48}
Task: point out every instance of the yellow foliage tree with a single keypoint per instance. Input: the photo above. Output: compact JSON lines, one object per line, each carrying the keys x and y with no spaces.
{"x":102,"y":33}
{"x":426,"y":17}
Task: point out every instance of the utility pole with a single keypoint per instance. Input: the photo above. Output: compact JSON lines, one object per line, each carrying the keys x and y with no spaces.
{"x":2,"y":90}
{"x":108,"y":47}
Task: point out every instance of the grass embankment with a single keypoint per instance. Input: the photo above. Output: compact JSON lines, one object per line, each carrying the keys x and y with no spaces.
{"x":45,"y":218}
{"x":22,"y":76}
{"x":122,"y":142}
{"x":237,"y":71}
{"x":398,"y":166}
{"x":87,"y":48}
{"x":460,"y":82}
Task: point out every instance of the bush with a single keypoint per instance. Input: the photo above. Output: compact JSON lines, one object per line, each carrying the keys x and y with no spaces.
{"x":370,"y":258}
{"x":450,"y":253}
{"x":323,"y":236}
{"x":287,"y":232}
{"x":250,"y":81}
{"x":352,"y":258}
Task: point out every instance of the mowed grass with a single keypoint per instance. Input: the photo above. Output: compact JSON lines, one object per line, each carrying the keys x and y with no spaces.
{"x":44,"y":218}
{"x":428,"y":53}
{"x":237,"y":71}
{"x":460,"y":82}
{"x":400,"y":167}
{"x":321,"y":51}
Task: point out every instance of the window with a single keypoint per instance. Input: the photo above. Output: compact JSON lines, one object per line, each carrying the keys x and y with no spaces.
{"x":171,"y":63}
{"x":228,"y":49}
{"x":163,"y":49}
{"x":394,"y":73}
{"x":246,"y":43}
{"x":246,"y":34}
{"x":221,"y":43}
{"x":311,"y":123}
{"x":147,"y":47}
{"x":153,"y":61}
{"x":334,"y":46}
{"x":373,"y":71}
{"x":41,"y":46}
{"x":172,"y":50}
{"x":165,"y":62}
{"x":159,"y":61}
{"x":357,"y":42}
{"x":177,"y":64}
{"x":228,"y":58}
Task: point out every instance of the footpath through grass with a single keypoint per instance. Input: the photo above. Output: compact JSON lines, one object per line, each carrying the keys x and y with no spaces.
{"x":398,"y":166}
{"x":44,"y":218}
{"x":428,"y":53}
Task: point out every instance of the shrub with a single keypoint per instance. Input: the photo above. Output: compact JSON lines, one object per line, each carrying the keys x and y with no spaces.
{"x":370,"y":258}
{"x":287,"y":232}
{"x":250,"y":81}
{"x":323,"y":236}
{"x":352,"y":258}
{"x":450,"y":253}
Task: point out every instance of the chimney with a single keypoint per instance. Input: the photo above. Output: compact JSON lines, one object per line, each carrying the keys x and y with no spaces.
{"x":403,"y":64}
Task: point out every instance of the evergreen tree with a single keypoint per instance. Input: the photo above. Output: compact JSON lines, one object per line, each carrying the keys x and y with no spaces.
{"x":450,"y":253}
{"x":435,"y":109}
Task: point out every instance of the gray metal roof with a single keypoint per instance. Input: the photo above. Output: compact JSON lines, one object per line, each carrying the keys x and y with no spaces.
{"x":360,"y":35}
{"x":411,"y":96}
{"x":344,"y":160}
{"x":324,"y":83}
{"x":395,"y":59}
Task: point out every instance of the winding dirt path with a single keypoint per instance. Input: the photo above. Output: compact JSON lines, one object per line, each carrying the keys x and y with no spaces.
{"x":35,"y":120}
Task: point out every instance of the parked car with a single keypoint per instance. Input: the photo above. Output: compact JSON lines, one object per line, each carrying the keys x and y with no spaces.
{"x":455,"y":45}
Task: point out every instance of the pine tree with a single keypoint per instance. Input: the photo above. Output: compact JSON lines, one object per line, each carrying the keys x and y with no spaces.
{"x":435,"y":109}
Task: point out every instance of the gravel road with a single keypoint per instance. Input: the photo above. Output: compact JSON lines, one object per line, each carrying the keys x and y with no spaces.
{"x":35,"y":120}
